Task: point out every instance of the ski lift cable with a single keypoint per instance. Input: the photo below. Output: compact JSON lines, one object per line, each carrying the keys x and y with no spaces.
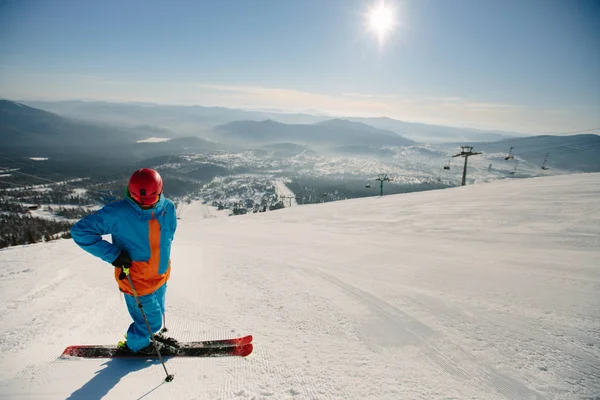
{"x":54,"y":182}
{"x":559,"y":150}
{"x":581,"y":146}
{"x":549,"y":134}
{"x":48,"y":180}
{"x":3,"y":155}
{"x":560,"y":153}
{"x":561,"y":146}
{"x":573,"y":150}
{"x":11,"y":183}
{"x":33,"y":176}
{"x":568,"y":145}
{"x":540,"y":155}
{"x":545,"y":147}
{"x":22,"y":187}
{"x":32,"y":187}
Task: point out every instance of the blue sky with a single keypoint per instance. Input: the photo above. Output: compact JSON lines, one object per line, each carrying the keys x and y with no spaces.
{"x":521,"y":65}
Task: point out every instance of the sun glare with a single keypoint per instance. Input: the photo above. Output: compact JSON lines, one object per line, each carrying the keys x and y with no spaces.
{"x":381,"y":19}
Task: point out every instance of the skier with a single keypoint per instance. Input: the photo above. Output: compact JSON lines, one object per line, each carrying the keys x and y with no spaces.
{"x":142,"y":227}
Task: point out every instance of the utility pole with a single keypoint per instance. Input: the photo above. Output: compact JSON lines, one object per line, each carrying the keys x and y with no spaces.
{"x":382,"y":178}
{"x":466,"y":152}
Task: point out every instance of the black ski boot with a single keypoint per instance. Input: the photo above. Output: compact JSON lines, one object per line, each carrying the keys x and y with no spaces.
{"x":162,"y":337}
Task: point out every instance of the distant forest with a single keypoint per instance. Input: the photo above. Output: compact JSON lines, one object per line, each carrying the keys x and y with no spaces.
{"x":18,"y":229}
{"x":55,"y":190}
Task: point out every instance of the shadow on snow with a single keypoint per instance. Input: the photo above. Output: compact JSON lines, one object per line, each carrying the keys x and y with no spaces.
{"x":107,"y":378}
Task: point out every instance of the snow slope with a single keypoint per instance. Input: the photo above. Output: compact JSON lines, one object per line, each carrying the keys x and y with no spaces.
{"x":488,"y":291}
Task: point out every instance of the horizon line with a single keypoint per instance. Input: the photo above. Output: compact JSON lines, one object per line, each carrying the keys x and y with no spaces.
{"x":311,"y":113}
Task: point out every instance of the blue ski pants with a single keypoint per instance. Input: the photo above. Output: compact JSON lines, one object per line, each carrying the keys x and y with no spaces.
{"x":154,"y":308}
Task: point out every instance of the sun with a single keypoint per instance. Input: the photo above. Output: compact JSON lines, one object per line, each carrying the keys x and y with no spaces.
{"x":381,"y":19}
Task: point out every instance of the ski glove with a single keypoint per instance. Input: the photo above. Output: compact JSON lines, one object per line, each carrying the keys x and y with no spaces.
{"x":122,"y":261}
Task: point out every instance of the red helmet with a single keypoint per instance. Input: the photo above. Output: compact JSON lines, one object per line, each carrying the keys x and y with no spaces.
{"x":145,"y":186}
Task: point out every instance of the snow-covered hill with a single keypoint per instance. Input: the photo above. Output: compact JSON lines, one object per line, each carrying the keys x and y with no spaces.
{"x":480,"y":292}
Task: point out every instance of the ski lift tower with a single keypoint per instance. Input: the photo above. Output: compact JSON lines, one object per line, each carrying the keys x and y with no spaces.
{"x":287,"y":197}
{"x":466,"y":152}
{"x":382,"y":178}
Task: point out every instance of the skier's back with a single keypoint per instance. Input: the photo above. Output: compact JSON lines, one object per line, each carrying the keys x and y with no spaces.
{"x":142,"y":227}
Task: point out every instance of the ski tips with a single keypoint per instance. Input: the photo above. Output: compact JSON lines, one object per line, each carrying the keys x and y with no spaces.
{"x":71,"y":351}
{"x":243,"y":350}
{"x":242,"y":341}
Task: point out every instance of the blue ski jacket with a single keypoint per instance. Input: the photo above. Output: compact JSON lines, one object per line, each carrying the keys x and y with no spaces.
{"x":145,"y":234}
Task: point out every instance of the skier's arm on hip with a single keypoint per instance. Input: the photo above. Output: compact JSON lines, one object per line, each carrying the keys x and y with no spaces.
{"x":88,"y":231}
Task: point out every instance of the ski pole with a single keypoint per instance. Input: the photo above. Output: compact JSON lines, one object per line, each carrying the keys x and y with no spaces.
{"x":169,"y":377}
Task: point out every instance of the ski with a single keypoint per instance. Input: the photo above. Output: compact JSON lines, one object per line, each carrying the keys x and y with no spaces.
{"x":100,"y":351}
{"x":218,"y":343}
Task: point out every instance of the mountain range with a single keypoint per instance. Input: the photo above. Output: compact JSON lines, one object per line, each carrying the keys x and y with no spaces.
{"x":196,"y":120}
{"x":31,"y":132}
{"x":327,"y":133}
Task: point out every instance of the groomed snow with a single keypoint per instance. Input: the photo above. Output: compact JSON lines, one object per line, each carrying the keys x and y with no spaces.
{"x":489,"y":291}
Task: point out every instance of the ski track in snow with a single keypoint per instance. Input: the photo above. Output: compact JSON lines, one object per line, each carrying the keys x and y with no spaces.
{"x":483,"y":292}
{"x":462,"y":365}
{"x":395,"y":328}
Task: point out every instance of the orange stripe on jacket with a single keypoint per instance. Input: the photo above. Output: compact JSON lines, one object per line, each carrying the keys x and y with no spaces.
{"x":144,"y":275}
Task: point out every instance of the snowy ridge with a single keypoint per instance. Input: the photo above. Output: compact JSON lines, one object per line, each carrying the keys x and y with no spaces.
{"x":480,"y":292}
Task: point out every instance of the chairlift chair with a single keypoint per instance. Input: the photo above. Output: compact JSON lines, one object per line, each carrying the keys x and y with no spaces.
{"x":544,"y":163}
{"x":510,"y":156}
{"x":447,"y":165}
